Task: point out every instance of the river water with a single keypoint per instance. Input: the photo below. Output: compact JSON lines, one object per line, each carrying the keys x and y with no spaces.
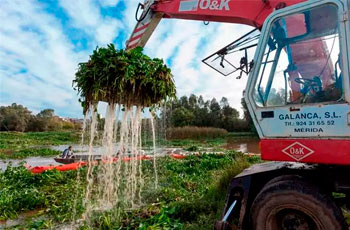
{"x":245,"y":145}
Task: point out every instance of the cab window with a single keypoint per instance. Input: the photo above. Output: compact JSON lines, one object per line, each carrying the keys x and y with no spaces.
{"x":301,"y":61}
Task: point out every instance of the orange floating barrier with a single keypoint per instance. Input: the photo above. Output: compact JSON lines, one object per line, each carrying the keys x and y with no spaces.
{"x":62,"y":168}
{"x":177,"y":156}
{"x":68,"y":167}
{"x":146,"y":157}
{"x":139,"y":158}
{"x":41,"y":169}
{"x":75,"y":166}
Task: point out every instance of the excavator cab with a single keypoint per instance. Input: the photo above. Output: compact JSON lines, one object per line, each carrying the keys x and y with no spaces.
{"x":302,"y":46}
{"x":298,"y":92}
{"x":298,"y":95}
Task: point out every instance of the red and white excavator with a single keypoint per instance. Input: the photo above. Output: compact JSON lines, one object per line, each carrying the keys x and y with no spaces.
{"x":298,"y":95}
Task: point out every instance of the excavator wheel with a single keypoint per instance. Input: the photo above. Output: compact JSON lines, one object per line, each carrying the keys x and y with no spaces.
{"x":289,"y":177}
{"x":295,"y":205}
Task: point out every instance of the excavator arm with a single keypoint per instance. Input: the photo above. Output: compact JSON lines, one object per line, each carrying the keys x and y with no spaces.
{"x":248,"y":12}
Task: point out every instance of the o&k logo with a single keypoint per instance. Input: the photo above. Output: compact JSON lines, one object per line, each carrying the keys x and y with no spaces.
{"x":193,"y":5}
{"x":297,"y":151}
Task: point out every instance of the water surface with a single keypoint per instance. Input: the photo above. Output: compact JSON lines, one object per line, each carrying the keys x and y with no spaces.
{"x":245,"y":145}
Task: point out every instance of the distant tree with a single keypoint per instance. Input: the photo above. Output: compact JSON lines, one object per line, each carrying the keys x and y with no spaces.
{"x":215,"y":113}
{"x":192,"y":101}
{"x":195,"y":111}
{"x":66,"y":125}
{"x":182,"y":117}
{"x":224,"y":102}
{"x":18,"y":118}
{"x":201,"y":101}
{"x":230,"y":118}
{"x":56,"y":123}
{"x":184,"y":102}
{"x":14,"y":118}
{"x":214,"y":106}
{"x":46,"y":113}
{"x":36,"y":125}
{"x":45,"y":119}
{"x":228,"y":111}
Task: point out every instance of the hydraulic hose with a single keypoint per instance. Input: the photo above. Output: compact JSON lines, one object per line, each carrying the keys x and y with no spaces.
{"x":143,"y":15}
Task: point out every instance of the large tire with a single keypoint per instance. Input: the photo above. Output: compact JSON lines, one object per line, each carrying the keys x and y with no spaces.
{"x":288,"y":177}
{"x":294,"y":205}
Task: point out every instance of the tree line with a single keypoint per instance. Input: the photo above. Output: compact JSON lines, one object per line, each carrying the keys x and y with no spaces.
{"x":18,"y":118}
{"x":184,"y":111}
{"x":195,"y":111}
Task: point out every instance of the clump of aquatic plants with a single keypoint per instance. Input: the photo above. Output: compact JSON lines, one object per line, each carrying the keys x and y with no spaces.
{"x":123,"y":77}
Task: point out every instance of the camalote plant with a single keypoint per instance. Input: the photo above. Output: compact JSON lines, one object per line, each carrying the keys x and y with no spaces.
{"x":123,"y":77}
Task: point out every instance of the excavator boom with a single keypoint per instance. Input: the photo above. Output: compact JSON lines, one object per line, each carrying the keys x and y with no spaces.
{"x":248,"y":12}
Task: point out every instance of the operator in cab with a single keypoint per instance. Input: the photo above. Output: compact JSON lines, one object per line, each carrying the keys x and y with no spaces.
{"x":67,"y":153}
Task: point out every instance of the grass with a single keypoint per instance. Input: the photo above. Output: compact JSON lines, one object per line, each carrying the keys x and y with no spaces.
{"x":24,"y":153}
{"x":13,"y":139}
{"x":190,"y":195}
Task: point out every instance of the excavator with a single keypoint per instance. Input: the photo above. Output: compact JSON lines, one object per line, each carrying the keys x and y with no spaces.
{"x":298,"y":96}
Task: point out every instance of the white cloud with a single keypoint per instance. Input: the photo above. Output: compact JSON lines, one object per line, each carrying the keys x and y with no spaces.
{"x":37,"y":62}
{"x":86,"y":15}
{"x":109,"y":3}
{"x":106,"y":32}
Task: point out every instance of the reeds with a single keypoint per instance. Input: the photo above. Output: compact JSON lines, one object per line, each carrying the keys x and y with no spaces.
{"x":194,"y":132}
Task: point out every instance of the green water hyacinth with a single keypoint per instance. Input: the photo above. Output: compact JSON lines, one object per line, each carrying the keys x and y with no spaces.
{"x":123,"y":77}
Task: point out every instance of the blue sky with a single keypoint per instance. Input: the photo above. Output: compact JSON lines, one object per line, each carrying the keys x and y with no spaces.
{"x":42,"y":42}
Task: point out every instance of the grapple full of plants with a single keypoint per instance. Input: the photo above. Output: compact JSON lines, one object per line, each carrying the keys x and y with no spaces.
{"x":123,"y":77}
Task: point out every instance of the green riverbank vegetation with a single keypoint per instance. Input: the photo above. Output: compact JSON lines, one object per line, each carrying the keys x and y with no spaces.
{"x":190,"y":195}
{"x":18,"y":145}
